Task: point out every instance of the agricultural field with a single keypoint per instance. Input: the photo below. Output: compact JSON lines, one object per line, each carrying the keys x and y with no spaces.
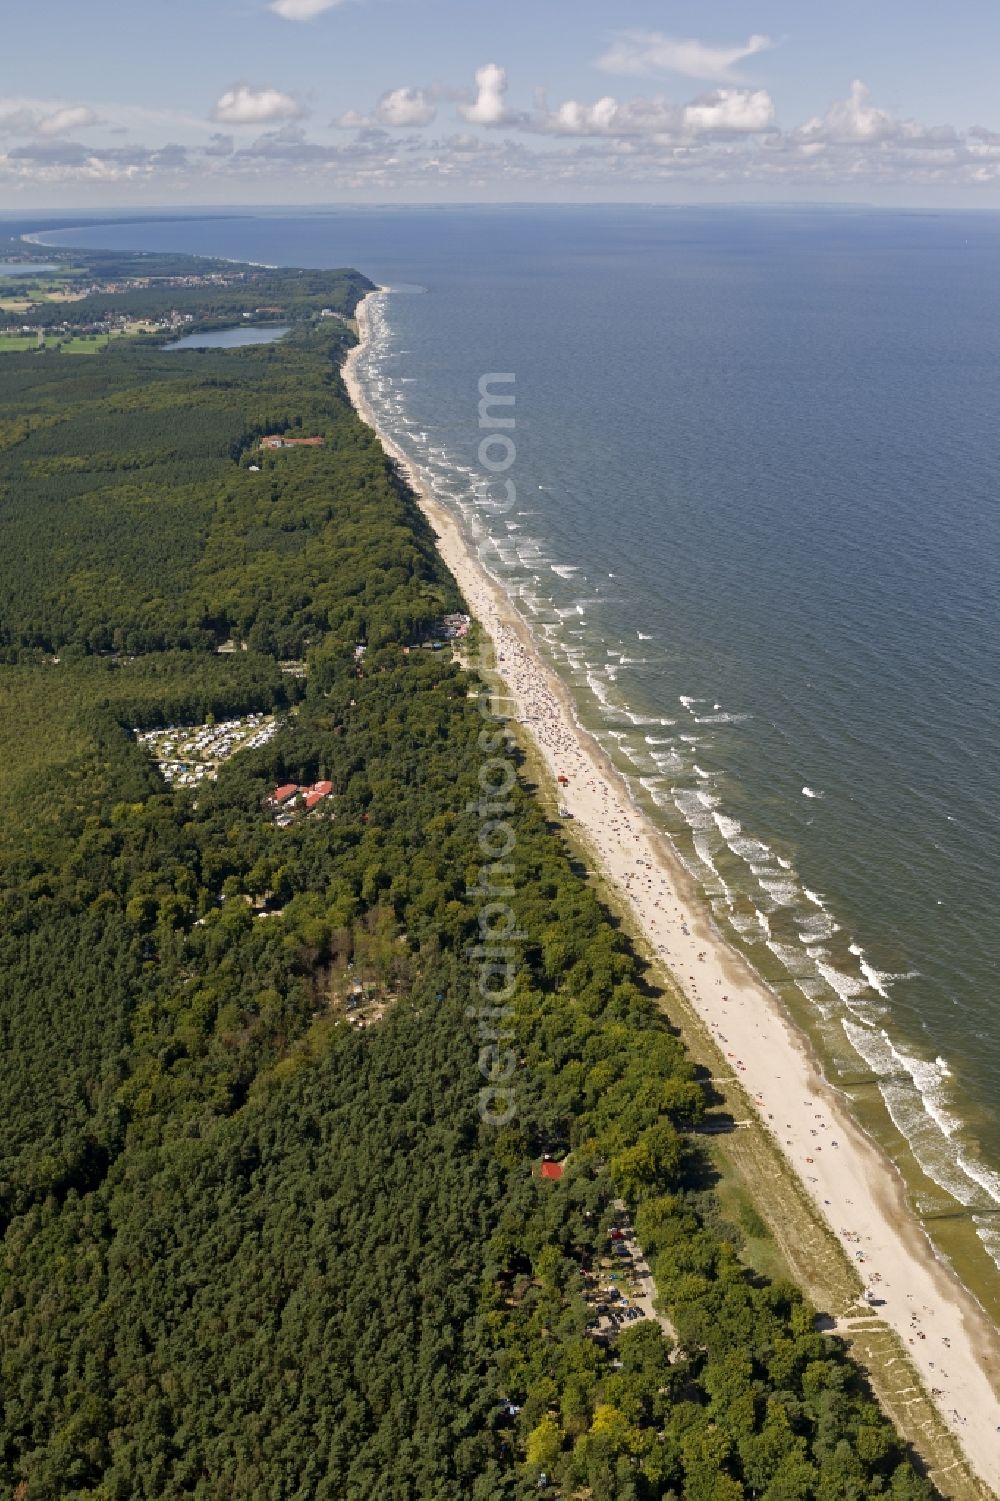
{"x":17,"y":293}
{"x":69,"y":343}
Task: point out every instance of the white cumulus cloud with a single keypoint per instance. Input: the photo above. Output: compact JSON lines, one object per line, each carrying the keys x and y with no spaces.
{"x":243,"y":105}
{"x":51,"y":119}
{"x":73,"y":117}
{"x":731,"y":111}
{"x":637,"y":54}
{"x":303,"y":10}
{"x":984,"y":143}
{"x":405,"y":107}
{"x":490,"y":104}
{"x":723,"y":112}
{"x":851,"y":121}
{"x":609,"y":117}
{"x":855,"y":121}
{"x":398,"y":107}
{"x":724,"y":138}
{"x":16,"y":120}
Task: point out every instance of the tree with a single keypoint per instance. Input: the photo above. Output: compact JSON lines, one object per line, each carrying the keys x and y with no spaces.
{"x":543,"y":1445}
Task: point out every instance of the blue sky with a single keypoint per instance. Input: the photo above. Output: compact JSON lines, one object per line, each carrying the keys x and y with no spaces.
{"x":109,"y":102}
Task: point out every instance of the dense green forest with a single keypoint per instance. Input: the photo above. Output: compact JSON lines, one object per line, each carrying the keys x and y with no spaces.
{"x":252,"y":1249}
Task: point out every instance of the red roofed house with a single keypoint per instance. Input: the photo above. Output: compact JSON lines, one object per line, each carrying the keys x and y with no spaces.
{"x":317,"y":793}
{"x":282,"y":794}
{"x":322,"y":788}
{"x":279,"y":440}
{"x":552,"y":1170}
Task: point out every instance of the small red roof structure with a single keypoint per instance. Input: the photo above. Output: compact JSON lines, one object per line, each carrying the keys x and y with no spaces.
{"x":312,"y":798}
{"x":282,"y":794}
{"x":552,"y":1170}
{"x":280,"y":440}
{"x":322,"y":788}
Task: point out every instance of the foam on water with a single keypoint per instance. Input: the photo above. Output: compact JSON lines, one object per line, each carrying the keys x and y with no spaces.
{"x":754,"y":852}
{"x":756,"y":891}
{"x":846,"y":986}
{"x":727,"y":827}
{"x":692,"y":807}
{"x":782,"y":893}
{"x":600,"y":692}
{"x":654,"y":786}
{"x":878,"y":979}
{"x":794,"y":961}
{"x":668,"y":760}
{"x":988,"y":1180}
{"x":989,"y":1234}
{"x":817,"y":929}
{"x":916,"y":1094}
{"x":705,"y":854}
{"x":744,"y":924}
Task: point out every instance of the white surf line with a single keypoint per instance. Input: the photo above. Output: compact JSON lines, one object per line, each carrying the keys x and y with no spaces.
{"x":949,"y":1339}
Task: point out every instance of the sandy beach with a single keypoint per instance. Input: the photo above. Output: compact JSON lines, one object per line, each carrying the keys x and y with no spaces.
{"x":953,"y":1346}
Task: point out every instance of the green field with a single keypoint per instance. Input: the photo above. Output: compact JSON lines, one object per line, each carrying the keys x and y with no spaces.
{"x":70,"y":344}
{"x":52,"y":282}
{"x":84,"y":343}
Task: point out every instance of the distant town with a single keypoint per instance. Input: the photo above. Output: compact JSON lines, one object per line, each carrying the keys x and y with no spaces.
{"x":59,"y":307}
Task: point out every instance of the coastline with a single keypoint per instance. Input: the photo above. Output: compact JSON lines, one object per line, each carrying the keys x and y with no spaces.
{"x":850,"y":1182}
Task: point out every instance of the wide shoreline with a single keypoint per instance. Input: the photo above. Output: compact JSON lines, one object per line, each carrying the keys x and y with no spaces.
{"x":851,"y":1183}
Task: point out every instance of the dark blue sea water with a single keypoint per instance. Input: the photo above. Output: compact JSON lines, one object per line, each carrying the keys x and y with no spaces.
{"x":758,"y":462}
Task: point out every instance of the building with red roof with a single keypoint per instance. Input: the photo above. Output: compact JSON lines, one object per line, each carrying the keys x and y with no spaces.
{"x":551,"y":1170}
{"x":282,"y":794}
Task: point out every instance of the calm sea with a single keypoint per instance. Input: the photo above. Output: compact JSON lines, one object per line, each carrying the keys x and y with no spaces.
{"x":758,"y":463}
